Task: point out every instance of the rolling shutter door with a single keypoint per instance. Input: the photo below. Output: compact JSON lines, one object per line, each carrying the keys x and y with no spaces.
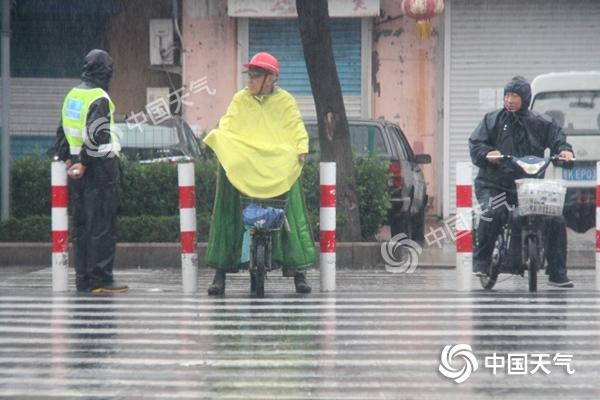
{"x":281,"y":38}
{"x":36,"y":104}
{"x":35,"y":110}
{"x":491,"y":41}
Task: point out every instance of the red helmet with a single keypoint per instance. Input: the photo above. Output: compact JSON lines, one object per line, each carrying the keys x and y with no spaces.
{"x":265,"y":61}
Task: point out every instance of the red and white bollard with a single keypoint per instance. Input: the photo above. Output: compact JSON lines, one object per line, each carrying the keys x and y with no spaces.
{"x":464,"y":226}
{"x":327,"y":226}
{"x":60,"y":227}
{"x":187,"y":222}
{"x":598,"y":225}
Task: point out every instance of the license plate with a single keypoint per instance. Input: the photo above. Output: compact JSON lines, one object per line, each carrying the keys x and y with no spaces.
{"x":579,"y":173}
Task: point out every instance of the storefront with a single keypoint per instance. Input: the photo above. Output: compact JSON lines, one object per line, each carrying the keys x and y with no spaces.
{"x":487,"y":42}
{"x":271,"y":26}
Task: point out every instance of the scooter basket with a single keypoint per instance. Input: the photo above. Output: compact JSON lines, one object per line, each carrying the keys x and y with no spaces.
{"x":265,"y":214}
{"x":541,"y":196}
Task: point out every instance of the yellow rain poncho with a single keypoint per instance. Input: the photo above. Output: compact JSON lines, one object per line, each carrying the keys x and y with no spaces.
{"x":258,"y":142}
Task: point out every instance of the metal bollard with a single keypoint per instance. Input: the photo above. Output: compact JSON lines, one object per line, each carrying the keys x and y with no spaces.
{"x":60,"y":227}
{"x":327,"y":226}
{"x":464,"y":226}
{"x":187,"y":220}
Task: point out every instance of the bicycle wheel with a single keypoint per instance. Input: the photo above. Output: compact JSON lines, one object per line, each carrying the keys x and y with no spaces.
{"x":260,"y":269}
{"x":488,"y":282}
{"x":533,"y":261}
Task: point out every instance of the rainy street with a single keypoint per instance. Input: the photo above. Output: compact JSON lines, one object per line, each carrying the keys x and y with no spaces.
{"x":380,"y":335}
{"x":392,"y":147}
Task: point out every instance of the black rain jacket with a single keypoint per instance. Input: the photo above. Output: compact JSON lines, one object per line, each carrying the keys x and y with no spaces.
{"x":518,"y":133}
{"x":96,"y":73}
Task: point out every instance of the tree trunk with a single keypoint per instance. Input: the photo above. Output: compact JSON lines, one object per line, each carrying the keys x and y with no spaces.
{"x":334,"y":135}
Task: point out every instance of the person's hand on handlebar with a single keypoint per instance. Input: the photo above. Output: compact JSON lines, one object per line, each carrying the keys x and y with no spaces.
{"x":565,"y":155}
{"x":494,"y":156}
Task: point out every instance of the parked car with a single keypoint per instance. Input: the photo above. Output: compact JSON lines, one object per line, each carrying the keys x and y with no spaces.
{"x":572,"y":100}
{"x":171,"y":140}
{"x":406,"y":182}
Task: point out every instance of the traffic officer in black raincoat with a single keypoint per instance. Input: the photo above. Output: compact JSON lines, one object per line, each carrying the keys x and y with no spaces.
{"x":88,"y":145}
{"x":514,"y":130}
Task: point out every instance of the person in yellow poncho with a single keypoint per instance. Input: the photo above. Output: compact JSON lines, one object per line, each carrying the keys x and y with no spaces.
{"x":261,"y":144}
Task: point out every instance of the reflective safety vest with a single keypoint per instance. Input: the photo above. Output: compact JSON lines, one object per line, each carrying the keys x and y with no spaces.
{"x":74,"y":121}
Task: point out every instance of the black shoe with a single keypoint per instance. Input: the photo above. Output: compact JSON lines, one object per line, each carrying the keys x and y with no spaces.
{"x":82,"y":283}
{"x":300,"y":283}
{"x":84,"y":289}
{"x":218,"y":285}
{"x":110,"y":287}
{"x":480,"y":270}
{"x":252,"y":282}
{"x":560,"y":281}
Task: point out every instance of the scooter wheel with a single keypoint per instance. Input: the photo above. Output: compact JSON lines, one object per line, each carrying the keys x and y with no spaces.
{"x":260,"y":270}
{"x":533,"y":261}
{"x":488,"y":282}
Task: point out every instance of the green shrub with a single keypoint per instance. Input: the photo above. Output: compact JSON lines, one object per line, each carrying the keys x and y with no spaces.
{"x":373,"y":195}
{"x":152,"y":189}
{"x":30,"y":187}
{"x":148,"y":228}
{"x":148,"y":189}
{"x":149,"y":204}
{"x":151,"y":228}
{"x":142,"y":228}
{"x":36,"y":228}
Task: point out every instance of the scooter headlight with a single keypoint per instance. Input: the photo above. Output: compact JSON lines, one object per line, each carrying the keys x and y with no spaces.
{"x":531,"y":169}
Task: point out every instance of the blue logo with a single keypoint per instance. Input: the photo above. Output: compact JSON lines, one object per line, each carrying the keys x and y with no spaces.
{"x":74,"y":107}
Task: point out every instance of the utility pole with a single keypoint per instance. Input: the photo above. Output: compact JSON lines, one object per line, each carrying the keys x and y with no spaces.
{"x":334,"y":134}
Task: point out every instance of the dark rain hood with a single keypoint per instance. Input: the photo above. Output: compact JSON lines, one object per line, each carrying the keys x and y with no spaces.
{"x":520,"y":133}
{"x":520,"y":86}
{"x":97,"y":69}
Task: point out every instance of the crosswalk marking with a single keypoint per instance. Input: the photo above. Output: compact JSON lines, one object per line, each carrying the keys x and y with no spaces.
{"x":371,"y":339}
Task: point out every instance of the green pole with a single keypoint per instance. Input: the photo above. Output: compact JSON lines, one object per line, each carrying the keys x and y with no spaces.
{"x":5,"y":152}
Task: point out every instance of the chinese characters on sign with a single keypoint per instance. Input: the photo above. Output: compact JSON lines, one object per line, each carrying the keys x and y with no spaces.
{"x":449,"y":227}
{"x":512,"y":363}
{"x":518,"y":363}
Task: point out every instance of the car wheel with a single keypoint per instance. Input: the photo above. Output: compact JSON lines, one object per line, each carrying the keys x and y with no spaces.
{"x":400,"y":224}
{"x":418,"y":225}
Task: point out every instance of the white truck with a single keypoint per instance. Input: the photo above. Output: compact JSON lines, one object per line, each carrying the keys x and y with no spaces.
{"x":572,"y":100}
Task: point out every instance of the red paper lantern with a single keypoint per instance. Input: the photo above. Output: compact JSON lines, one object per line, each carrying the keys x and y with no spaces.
{"x":423,"y":11}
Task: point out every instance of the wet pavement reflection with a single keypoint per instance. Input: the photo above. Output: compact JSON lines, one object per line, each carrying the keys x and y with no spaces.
{"x":379,"y":336}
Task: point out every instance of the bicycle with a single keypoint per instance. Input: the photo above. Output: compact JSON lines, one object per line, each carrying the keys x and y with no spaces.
{"x":262,"y":218}
{"x":537,"y":199}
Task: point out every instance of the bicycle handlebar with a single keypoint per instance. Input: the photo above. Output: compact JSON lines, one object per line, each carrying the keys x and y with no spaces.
{"x":555,"y":157}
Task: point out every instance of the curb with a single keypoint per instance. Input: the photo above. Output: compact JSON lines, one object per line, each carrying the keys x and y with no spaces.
{"x":349,"y":255}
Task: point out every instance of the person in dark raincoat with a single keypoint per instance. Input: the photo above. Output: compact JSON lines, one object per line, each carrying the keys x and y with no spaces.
{"x":514,"y":130}
{"x":86,"y":141}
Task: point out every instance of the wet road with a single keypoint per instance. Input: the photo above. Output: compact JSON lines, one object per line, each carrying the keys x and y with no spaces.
{"x":380,"y":336}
